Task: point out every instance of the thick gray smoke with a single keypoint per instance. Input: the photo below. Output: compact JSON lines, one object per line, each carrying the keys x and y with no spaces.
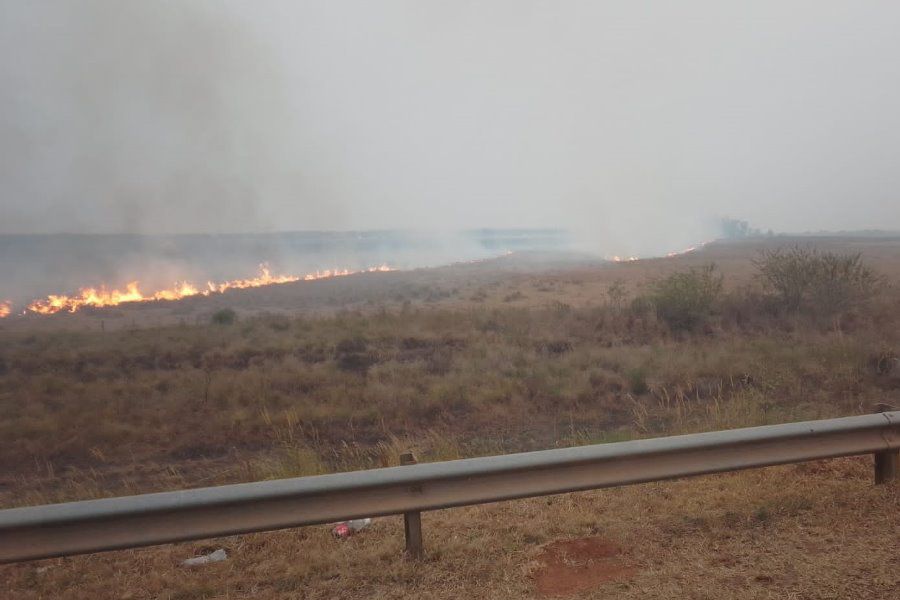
{"x":134,"y":117}
{"x":635,"y":124}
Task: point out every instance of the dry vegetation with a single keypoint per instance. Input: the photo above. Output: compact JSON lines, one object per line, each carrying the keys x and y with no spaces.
{"x":480,"y":365}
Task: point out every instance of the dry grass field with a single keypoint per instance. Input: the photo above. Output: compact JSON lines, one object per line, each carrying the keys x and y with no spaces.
{"x":524,"y":352}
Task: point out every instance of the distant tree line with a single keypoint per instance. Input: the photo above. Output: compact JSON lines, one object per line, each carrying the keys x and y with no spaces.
{"x":736,"y":229}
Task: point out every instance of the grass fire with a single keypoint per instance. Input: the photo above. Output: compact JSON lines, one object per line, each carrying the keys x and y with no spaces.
{"x":101,"y":297}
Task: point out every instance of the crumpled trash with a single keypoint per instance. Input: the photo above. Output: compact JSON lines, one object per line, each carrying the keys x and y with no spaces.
{"x":217,"y":556}
{"x":347,"y":528}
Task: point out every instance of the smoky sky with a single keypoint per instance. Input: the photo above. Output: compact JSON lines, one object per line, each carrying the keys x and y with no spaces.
{"x":634,"y":122}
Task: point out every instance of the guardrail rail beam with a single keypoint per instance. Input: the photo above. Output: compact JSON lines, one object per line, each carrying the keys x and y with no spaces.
{"x":35,"y":532}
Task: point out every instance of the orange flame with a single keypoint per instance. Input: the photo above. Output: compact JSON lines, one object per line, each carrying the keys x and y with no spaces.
{"x":5,"y":309}
{"x":689,"y":249}
{"x":100,"y":297}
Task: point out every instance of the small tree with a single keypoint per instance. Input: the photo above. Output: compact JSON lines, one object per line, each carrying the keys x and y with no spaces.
{"x":685,"y":300}
{"x":807,"y":280}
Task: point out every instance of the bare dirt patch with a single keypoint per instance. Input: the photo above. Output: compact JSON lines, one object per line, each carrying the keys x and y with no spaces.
{"x":573,"y":566}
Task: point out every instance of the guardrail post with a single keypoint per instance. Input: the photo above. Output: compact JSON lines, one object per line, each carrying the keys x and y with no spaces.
{"x":887,"y":463}
{"x":412,"y":521}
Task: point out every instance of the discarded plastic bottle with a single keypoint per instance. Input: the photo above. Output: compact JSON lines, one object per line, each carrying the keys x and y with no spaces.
{"x":217,"y":556}
{"x":348,"y":528}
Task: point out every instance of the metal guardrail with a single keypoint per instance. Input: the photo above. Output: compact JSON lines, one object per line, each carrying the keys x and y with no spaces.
{"x":36,"y":532}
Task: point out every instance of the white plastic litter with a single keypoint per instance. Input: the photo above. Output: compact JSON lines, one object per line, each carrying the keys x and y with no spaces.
{"x":348,"y":528}
{"x":217,"y":556}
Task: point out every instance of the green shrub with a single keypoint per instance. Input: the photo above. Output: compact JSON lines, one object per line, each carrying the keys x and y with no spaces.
{"x":685,"y":300}
{"x":224,"y":316}
{"x":822,"y":283}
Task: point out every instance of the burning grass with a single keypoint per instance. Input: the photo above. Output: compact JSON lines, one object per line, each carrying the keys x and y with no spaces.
{"x":102,"y":297}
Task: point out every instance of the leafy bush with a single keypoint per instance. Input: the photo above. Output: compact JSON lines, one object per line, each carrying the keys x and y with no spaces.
{"x":823,"y":283}
{"x":224,"y":316}
{"x":685,"y":300}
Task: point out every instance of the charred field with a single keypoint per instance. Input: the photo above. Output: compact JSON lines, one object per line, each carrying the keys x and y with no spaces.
{"x":527,"y":351}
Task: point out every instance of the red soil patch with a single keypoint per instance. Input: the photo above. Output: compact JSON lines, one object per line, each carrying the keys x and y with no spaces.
{"x":574,"y":566}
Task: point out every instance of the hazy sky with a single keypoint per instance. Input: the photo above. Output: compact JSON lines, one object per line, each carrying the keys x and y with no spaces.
{"x":626,"y":119}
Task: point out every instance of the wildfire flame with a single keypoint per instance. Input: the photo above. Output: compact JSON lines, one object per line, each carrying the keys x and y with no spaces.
{"x":103,"y":297}
{"x":100,"y":297}
{"x":687,"y":250}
